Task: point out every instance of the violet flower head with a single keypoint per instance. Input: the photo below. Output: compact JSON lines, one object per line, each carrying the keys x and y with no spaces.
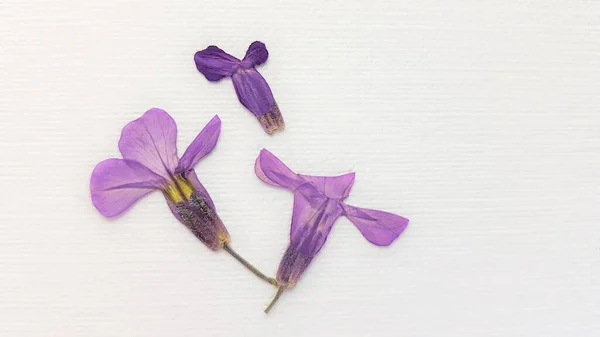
{"x":318,"y":203}
{"x":251,"y":88}
{"x":150,"y":162}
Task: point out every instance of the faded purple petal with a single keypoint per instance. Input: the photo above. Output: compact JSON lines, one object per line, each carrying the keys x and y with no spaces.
{"x":257,"y":54}
{"x":253,"y":91}
{"x":312,"y":219}
{"x":292,"y":266}
{"x":215,"y":64}
{"x":152,"y":141}
{"x":201,"y":146}
{"x":116,"y":184}
{"x":379,"y":227}
{"x":273,"y":172}
{"x":333,"y":187}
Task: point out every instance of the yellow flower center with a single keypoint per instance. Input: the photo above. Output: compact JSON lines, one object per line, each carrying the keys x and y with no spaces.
{"x":179,"y":189}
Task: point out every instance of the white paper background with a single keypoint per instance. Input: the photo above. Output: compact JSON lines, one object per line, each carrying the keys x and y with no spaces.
{"x":478,"y":120}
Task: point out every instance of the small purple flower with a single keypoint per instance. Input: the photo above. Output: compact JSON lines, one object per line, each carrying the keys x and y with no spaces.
{"x":318,"y":203}
{"x":150,"y":162}
{"x":251,"y":88}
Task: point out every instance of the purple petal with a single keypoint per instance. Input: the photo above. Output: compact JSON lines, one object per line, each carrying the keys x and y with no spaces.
{"x":201,"y":146}
{"x":312,"y":219}
{"x":253,"y":91}
{"x":257,"y":54}
{"x":152,"y":141}
{"x":117,"y":184}
{"x":273,"y":172}
{"x":333,"y":187}
{"x":215,"y":64}
{"x":379,"y":227}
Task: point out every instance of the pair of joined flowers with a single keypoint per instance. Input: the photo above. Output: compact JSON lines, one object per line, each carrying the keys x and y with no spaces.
{"x":150,"y":162}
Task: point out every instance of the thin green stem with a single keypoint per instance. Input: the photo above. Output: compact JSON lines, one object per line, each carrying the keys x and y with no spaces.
{"x":274,"y":300}
{"x":250,"y":267}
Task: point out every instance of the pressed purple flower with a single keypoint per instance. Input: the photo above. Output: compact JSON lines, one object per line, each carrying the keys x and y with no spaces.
{"x":318,"y":203}
{"x":251,"y":88}
{"x":150,"y":162}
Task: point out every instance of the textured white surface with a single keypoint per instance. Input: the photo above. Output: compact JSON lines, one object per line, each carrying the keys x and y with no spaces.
{"x":478,"y":120}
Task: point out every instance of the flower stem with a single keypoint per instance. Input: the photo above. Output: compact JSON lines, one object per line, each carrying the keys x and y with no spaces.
{"x":274,"y":300}
{"x":250,"y":267}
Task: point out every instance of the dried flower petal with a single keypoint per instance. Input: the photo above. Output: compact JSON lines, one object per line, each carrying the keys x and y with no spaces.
{"x":257,"y":54}
{"x":215,"y":64}
{"x":117,"y":184}
{"x":201,"y":146}
{"x":379,"y":227}
{"x":151,"y":140}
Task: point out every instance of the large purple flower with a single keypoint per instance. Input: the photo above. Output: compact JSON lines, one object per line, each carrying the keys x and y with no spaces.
{"x":150,"y":162}
{"x":318,"y":203}
{"x":251,"y":88}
